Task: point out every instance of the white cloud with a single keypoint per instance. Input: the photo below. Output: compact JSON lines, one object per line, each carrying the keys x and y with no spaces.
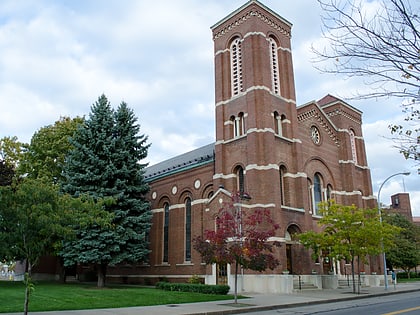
{"x":58,"y":57}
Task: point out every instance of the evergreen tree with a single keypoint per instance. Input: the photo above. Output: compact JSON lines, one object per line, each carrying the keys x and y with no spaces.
{"x":105,"y":164}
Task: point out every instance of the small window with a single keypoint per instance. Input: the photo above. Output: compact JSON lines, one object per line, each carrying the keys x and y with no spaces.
{"x":279,"y":124}
{"x":233,"y":128}
{"x":238,"y":125}
{"x":315,"y":135}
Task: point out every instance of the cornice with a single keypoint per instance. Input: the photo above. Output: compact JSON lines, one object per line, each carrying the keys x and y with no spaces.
{"x":252,"y":12}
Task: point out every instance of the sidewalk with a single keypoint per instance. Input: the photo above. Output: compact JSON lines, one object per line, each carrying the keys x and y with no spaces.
{"x":255,"y":302}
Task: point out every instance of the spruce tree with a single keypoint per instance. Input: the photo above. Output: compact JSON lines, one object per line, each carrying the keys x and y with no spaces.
{"x":105,"y":163}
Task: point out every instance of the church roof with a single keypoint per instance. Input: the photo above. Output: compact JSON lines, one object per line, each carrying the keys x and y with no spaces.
{"x":194,"y":158}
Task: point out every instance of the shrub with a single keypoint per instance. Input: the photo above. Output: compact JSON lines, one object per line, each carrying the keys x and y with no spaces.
{"x":194,"y":280}
{"x":404,"y":275}
{"x":198,"y":288}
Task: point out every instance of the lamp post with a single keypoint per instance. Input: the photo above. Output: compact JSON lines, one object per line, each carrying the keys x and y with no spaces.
{"x":380,"y":219}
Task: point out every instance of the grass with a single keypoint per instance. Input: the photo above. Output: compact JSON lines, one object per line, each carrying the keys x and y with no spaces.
{"x":405,"y":280}
{"x":75,"y":296}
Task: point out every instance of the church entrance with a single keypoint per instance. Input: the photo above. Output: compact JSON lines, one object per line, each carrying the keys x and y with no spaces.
{"x":221,"y":274}
{"x":292,"y":248}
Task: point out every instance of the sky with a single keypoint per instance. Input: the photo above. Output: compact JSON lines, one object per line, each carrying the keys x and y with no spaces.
{"x":58,"y":56}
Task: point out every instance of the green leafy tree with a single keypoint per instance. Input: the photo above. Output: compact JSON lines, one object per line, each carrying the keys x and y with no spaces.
{"x":105,"y":163}
{"x":348,"y":232}
{"x":382,"y":48}
{"x":241,"y":239}
{"x":45,"y":156}
{"x":406,"y":253}
{"x":11,"y":151}
{"x":7,"y":173}
{"x":34,"y":219}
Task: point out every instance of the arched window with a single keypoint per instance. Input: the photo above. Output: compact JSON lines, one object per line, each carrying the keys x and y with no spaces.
{"x":353,"y":146}
{"x":166,"y":233}
{"x":241,"y":124}
{"x":282,"y":186}
{"x":188,"y":229}
{"x":238,"y":125}
{"x":240,"y":180}
{"x":275,"y":78}
{"x":317,"y":191}
{"x":236,"y":66}
{"x":233,"y":123}
{"x":279,"y":124}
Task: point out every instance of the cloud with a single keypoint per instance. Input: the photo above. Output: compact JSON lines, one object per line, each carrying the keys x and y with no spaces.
{"x":58,"y":57}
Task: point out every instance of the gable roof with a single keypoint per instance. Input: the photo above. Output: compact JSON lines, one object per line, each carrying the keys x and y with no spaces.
{"x":329,"y":100}
{"x":249,"y":3}
{"x":185,"y":161}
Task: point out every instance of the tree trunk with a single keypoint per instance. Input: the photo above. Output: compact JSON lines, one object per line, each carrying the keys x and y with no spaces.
{"x":28,"y":284}
{"x":236,"y":281}
{"x":352,"y":274}
{"x":358,"y":278}
{"x":101,"y":275}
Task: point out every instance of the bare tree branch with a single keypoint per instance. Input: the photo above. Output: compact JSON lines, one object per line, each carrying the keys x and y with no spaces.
{"x":379,"y":42}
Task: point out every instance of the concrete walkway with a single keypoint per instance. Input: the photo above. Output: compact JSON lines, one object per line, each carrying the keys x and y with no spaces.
{"x":254,"y":302}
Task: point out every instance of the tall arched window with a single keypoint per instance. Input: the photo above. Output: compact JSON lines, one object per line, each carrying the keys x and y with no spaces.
{"x":282,"y":186}
{"x":275,"y":77}
{"x":188,"y":229}
{"x":166,"y":233}
{"x":353,"y":146}
{"x":236,"y":66}
{"x":317,"y":191}
{"x":240,"y":180}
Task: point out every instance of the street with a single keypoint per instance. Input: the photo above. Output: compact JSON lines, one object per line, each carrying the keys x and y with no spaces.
{"x":405,"y":303}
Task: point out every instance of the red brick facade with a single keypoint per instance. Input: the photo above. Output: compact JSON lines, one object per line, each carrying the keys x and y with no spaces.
{"x":286,"y":157}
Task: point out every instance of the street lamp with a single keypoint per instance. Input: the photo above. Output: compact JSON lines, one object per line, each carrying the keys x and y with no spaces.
{"x":380,"y":219}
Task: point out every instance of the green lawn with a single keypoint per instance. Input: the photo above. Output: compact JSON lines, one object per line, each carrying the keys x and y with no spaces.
{"x":55,"y":297}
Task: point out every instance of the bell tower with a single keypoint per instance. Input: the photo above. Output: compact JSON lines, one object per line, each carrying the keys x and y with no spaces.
{"x":255,"y":100}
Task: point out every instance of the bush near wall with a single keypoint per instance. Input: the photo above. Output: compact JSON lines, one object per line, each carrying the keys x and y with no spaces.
{"x":198,"y":288}
{"x":404,"y":275}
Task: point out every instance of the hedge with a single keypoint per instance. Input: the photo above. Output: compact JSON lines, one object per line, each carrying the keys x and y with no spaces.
{"x":188,"y":287}
{"x":404,"y":275}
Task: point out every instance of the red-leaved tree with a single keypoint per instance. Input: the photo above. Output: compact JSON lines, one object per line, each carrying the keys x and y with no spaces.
{"x":241,"y":239}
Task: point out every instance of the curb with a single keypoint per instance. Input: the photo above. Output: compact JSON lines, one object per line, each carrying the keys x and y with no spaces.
{"x":299,"y":304}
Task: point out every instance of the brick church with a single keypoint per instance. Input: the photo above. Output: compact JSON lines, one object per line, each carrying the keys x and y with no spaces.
{"x":286,"y":157}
